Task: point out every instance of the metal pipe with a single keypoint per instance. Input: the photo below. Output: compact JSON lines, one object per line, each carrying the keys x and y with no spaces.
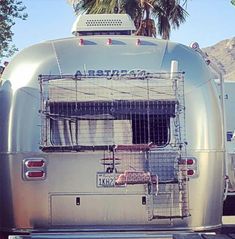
{"x":221,"y":82}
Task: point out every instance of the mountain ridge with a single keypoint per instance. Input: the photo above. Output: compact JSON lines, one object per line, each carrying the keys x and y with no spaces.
{"x":223,"y":56}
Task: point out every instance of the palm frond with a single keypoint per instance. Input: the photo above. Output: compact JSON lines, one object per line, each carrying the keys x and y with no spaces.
{"x":167,"y":13}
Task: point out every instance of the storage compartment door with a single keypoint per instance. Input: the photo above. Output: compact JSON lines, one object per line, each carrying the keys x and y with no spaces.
{"x":78,"y":209}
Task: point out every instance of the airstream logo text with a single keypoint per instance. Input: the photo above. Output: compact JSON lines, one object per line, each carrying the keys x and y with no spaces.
{"x":101,"y":73}
{"x":111,"y":73}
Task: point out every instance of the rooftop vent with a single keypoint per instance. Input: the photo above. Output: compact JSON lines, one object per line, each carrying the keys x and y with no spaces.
{"x":102,"y":24}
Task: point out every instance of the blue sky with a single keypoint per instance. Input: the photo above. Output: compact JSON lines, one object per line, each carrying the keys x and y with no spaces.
{"x":209,"y":22}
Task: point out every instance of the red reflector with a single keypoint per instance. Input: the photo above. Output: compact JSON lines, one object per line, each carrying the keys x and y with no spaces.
{"x":187,"y":161}
{"x":35,"y":174}
{"x":34,"y":163}
{"x":81,"y":42}
{"x":109,"y":41}
{"x":190,"y":161}
{"x":190,"y":172}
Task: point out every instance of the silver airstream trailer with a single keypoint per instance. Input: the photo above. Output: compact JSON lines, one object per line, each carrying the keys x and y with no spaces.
{"x":108,"y":131}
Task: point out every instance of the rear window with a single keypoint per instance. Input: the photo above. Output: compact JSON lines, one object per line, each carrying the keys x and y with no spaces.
{"x":109,"y":123}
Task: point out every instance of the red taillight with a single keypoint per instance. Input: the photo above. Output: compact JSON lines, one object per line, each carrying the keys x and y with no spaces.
{"x":81,"y":42}
{"x":109,"y":41}
{"x":34,"y":169}
{"x":35,"y":174}
{"x":189,"y":165}
{"x":190,"y":161}
{"x":190,"y":172}
{"x":34,"y":163}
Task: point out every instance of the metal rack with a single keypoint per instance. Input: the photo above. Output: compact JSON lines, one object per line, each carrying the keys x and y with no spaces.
{"x":137,"y":119}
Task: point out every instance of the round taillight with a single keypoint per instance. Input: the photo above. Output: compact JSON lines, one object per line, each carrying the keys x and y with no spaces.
{"x":190,"y":172}
{"x":190,"y":161}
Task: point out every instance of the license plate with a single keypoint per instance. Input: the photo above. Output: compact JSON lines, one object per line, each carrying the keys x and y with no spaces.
{"x":105,"y":180}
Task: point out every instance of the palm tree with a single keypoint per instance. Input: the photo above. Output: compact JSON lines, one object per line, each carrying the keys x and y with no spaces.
{"x":140,"y":11}
{"x":93,"y":6}
{"x":169,"y":13}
